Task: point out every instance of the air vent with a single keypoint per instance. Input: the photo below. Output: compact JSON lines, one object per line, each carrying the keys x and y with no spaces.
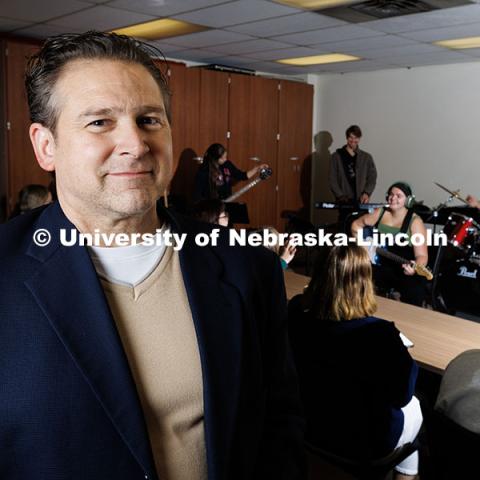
{"x":377,"y":9}
{"x":386,"y":8}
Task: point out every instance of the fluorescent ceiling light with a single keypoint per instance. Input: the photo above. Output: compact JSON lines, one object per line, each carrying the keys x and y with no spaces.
{"x":317,"y":4}
{"x":467,"y":42}
{"x":319,"y":59}
{"x":162,"y":28}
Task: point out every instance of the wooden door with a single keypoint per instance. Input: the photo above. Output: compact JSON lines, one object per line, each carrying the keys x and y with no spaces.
{"x":3,"y":136}
{"x":294,"y":148}
{"x":253,"y":120}
{"x":184,"y":84}
{"x":22,"y":166}
{"x":213,"y":116}
{"x":176,"y":85}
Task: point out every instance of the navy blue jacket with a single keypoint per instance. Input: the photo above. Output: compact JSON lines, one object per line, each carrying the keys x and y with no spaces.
{"x":69,"y":409}
{"x":355,"y":376}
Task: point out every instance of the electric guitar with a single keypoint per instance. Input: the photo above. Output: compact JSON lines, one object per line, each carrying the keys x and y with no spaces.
{"x":374,"y":251}
{"x":264,"y":174}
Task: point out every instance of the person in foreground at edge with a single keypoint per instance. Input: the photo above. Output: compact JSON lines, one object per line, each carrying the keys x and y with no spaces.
{"x":473,"y":201}
{"x":216,"y":174}
{"x":398,"y":218}
{"x":352,"y":174}
{"x":139,"y":361}
{"x":459,"y":394}
{"x":357,"y":378}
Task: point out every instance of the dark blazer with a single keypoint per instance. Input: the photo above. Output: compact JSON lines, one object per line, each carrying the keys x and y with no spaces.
{"x":355,"y":376}
{"x":69,"y":409}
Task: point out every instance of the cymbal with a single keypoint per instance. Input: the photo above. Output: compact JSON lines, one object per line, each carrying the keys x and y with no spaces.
{"x":453,"y":193}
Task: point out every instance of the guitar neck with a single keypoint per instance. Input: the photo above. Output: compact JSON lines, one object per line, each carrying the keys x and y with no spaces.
{"x":392,"y":256}
{"x":419,"y":269}
{"x":244,"y":189}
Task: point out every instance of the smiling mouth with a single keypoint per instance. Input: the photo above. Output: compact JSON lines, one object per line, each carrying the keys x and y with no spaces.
{"x":131,"y":174}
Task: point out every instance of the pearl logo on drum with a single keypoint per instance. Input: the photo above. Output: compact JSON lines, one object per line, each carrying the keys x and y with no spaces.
{"x":463,"y":272}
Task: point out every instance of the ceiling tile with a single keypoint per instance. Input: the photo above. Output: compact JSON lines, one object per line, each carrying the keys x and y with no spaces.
{"x":44,"y":30}
{"x":299,"y":22}
{"x":249,"y":46}
{"x":39,"y":11}
{"x":416,"y":49}
{"x":195,"y":55}
{"x":430,"y":59}
{"x":359,"y":66}
{"x":233,"y":13}
{"x":101,"y":18}
{"x":8,"y":24}
{"x":474,"y":52}
{"x":335,"y":34}
{"x":421,"y":21}
{"x":285,"y":53}
{"x":445,"y":33}
{"x":364,"y":44}
{"x":231,"y":60}
{"x":164,"y":47}
{"x":207,"y":38}
{"x":163,"y":8}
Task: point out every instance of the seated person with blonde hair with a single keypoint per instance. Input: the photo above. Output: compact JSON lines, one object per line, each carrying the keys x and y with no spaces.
{"x":357,"y":378}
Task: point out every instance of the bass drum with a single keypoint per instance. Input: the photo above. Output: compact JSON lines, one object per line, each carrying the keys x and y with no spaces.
{"x":457,"y":284}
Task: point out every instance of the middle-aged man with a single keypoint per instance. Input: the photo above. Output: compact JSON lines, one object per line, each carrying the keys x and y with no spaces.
{"x":352,"y":174}
{"x":138,"y":361}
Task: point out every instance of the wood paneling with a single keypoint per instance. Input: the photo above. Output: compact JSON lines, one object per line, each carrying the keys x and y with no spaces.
{"x":253,"y":122}
{"x":204,"y":108}
{"x":23,"y":168}
{"x":213,"y":121}
{"x":294,"y":147}
{"x":3,"y":137}
{"x":185,"y":86}
{"x":176,"y":83}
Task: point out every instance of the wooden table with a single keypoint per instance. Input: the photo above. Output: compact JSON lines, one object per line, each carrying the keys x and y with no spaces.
{"x":437,"y":338}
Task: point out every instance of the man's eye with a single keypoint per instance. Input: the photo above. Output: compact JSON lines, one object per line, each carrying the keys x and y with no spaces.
{"x":148,"y":121}
{"x":98,"y":123}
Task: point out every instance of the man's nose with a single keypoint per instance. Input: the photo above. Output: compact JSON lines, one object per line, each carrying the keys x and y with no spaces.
{"x":132,"y":140}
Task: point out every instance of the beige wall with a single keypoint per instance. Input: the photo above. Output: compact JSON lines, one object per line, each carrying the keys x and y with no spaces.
{"x":421,"y":125}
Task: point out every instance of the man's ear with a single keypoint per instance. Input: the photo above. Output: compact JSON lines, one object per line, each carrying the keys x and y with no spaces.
{"x":43,"y":145}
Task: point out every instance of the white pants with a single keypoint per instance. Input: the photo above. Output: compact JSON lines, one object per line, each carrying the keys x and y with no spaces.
{"x":412,"y":422}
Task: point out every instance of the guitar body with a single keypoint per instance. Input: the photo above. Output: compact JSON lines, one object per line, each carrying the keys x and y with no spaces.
{"x":372,"y":253}
{"x":376,"y":253}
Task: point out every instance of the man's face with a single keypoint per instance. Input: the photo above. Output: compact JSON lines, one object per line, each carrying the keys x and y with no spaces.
{"x":353,"y":141}
{"x":113,"y":145}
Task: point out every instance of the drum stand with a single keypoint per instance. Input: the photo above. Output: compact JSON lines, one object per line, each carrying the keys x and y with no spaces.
{"x":436,"y":212}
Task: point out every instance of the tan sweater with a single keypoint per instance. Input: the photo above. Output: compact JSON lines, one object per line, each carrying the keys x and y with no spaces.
{"x":156,"y":327}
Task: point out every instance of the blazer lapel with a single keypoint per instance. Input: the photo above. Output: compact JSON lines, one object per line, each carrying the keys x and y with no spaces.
{"x":217,"y":310}
{"x":68,"y":291}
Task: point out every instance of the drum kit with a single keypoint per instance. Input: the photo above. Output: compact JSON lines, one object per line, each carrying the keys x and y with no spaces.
{"x":455,"y":288}
{"x":456,"y":285}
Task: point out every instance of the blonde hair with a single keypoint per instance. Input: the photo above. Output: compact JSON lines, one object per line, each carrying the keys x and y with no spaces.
{"x":346,"y":289}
